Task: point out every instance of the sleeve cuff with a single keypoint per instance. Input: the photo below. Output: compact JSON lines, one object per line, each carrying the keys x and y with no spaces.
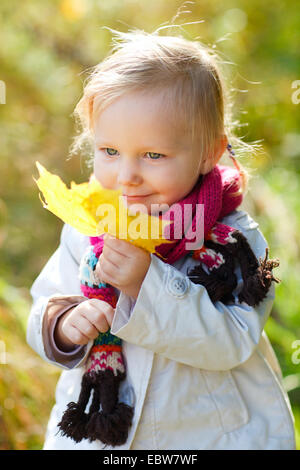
{"x":56,"y":307}
{"x":123,"y":311}
{"x":52,"y":342}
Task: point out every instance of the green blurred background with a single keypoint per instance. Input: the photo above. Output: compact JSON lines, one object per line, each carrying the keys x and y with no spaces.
{"x":45,"y":47}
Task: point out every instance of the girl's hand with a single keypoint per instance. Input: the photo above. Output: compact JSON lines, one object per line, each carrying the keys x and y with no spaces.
{"x":123,"y":265}
{"x":83,"y":323}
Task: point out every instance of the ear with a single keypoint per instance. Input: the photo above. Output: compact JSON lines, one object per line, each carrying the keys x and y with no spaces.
{"x":209,"y":163}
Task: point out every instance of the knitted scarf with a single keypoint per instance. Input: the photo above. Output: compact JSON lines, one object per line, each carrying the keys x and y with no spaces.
{"x":223,"y":247}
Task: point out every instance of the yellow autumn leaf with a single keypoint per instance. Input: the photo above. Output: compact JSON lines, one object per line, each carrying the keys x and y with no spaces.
{"x":93,"y":210}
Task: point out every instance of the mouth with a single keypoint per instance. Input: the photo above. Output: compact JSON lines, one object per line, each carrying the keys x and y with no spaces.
{"x":136,"y":197}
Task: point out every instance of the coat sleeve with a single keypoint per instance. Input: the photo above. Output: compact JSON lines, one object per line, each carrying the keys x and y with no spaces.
{"x":176,"y":318}
{"x":58,"y":278}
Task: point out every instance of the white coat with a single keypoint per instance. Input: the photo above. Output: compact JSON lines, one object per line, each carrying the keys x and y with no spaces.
{"x":200,"y":375}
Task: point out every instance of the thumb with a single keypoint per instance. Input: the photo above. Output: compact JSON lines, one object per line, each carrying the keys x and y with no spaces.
{"x":110,"y":313}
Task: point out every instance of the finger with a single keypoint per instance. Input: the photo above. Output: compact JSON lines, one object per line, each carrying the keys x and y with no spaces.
{"x":109,"y":314}
{"x":100,"y":305}
{"x":99,"y":321}
{"x":75,"y":336}
{"x":121,"y":246}
{"x":106,"y":270}
{"x":102,"y":324}
{"x":86,"y":328}
{"x":113,"y":256}
{"x":102,"y":315}
{"x":99,"y":270}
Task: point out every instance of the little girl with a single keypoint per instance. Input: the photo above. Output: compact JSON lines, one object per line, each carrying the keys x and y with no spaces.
{"x":200,"y":371}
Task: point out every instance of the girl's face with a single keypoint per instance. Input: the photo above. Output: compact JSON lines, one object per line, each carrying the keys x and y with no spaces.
{"x":141,"y":150}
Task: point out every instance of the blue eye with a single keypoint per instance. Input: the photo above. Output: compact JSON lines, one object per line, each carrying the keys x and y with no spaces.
{"x":110,"y":151}
{"x":154,"y":155}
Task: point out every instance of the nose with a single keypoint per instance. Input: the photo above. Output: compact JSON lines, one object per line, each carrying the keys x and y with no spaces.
{"x":128,"y":174}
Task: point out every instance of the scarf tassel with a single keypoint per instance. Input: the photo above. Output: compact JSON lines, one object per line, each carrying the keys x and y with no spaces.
{"x":74,"y":420}
{"x":107,"y":420}
{"x":257,"y":275}
{"x":221,"y":281}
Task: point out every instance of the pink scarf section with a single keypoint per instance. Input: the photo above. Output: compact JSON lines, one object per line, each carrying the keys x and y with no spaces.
{"x":215,"y":192}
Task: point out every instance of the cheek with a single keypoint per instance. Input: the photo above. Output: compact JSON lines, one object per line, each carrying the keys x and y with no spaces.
{"x":172,"y":181}
{"x":170,"y":189}
{"x":104,"y":173}
{"x":178,"y":185}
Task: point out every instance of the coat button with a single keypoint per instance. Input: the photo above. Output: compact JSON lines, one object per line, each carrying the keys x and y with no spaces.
{"x":178,"y":286}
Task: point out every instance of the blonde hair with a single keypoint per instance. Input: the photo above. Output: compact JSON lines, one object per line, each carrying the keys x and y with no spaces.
{"x":187,"y":70}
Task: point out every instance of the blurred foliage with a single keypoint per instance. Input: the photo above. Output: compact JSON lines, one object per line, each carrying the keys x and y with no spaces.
{"x":27,"y":383}
{"x":45,"y":49}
